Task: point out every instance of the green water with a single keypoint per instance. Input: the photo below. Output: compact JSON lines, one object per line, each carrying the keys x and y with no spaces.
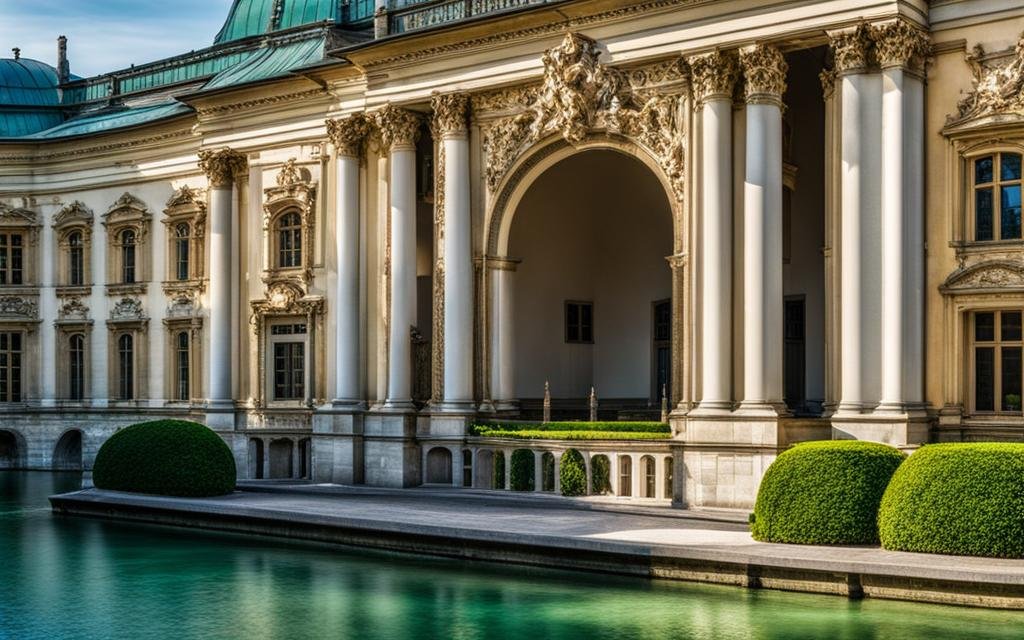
{"x":72,"y":578}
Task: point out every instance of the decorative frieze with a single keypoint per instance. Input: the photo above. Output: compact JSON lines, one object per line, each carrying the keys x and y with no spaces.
{"x":127,"y":309}
{"x":998,"y":86}
{"x":74,"y":309}
{"x":397,"y":126}
{"x":764,"y":69}
{"x":349,"y":133}
{"x":852,"y":50}
{"x":713,"y":75}
{"x":900,"y":44}
{"x":450,"y":111}
{"x":222,"y":166}
{"x":18,"y":307}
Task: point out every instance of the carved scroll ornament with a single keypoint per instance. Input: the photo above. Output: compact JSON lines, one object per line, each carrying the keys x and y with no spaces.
{"x":222,"y":166}
{"x":998,"y":87}
{"x":348,"y":134}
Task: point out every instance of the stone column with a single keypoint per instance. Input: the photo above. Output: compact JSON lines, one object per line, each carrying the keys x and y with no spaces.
{"x":502,"y":332}
{"x":399,"y":130}
{"x":558,"y":472}
{"x":457,"y":276}
{"x":222,"y":167}
{"x":456,"y":467}
{"x":347,"y":136}
{"x":714,"y":75}
{"x":508,"y":470}
{"x":765,"y":71}
{"x":538,"y":470}
{"x":851,"y":59}
{"x":900,"y":48}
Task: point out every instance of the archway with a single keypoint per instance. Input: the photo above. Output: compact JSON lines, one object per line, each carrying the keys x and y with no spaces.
{"x":483,"y":474}
{"x":648,"y":475}
{"x":281,"y":458}
{"x":11,"y":450}
{"x":439,"y":466}
{"x":67,"y":454}
{"x":592,"y":233}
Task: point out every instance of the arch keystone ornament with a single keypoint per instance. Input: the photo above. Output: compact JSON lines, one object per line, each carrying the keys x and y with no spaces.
{"x":348,"y":134}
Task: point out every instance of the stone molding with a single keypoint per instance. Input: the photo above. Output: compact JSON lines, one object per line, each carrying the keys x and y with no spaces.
{"x":851,"y":49}
{"x":348,"y":134}
{"x":222,"y":166}
{"x":714,"y":75}
{"x":450,"y":111}
{"x":398,"y":127}
{"x":998,"y":86}
{"x":898,"y":44}
{"x":764,"y":69}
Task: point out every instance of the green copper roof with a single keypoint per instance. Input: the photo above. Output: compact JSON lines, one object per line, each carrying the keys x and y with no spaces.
{"x":18,"y":123}
{"x":26,"y":82}
{"x":271,"y":62}
{"x":255,"y":17}
{"x":113,"y":119}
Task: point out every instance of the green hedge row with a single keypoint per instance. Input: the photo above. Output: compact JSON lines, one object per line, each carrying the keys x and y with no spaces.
{"x":961,"y":499}
{"x":570,"y":435}
{"x":572,"y":473}
{"x":166,"y":457}
{"x":609,"y":427}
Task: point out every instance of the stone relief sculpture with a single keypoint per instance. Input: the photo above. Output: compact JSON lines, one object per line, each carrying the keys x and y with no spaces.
{"x":998,"y":87}
{"x":127,"y":309}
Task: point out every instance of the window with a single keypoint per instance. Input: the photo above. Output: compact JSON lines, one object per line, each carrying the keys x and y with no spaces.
{"x":126,"y":367}
{"x":76,"y":367}
{"x":289,"y":370}
{"x":127,"y":256}
{"x":10,"y":366}
{"x":997,"y":361}
{"x":182,"y":238}
{"x":11,"y":258}
{"x":997,"y":191}
{"x":182,"y":366}
{"x":579,"y":322}
{"x":289,"y":241}
{"x":76,"y":259}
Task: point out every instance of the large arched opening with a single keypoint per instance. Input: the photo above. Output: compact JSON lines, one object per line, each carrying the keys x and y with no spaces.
{"x":12,"y":450}
{"x":593,"y":288}
{"x":67,"y":454}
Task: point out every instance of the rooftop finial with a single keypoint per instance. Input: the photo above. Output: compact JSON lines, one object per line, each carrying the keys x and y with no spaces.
{"x":17,"y":53}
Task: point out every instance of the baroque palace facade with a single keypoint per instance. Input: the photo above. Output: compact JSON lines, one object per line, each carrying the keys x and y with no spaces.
{"x":347,"y":230}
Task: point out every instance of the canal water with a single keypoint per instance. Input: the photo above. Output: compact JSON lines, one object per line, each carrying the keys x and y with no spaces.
{"x":74,"y":578}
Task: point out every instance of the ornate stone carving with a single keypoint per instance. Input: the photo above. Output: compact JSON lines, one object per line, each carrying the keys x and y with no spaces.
{"x":398,"y":127}
{"x":765,"y":71}
{"x":503,"y":99}
{"x":127,"y":309}
{"x":222,"y":166}
{"x":18,"y":307}
{"x":714,"y":74}
{"x":73,"y":213}
{"x":291,"y":174}
{"x":187,"y":196}
{"x":349,"y":133}
{"x":828,"y":82}
{"x":450,"y":111}
{"x":183,"y":304}
{"x":852,"y":49}
{"x":998,"y":87}
{"x":294,"y":191}
{"x":74,"y":309}
{"x":580,"y":95}
{"x":900,"y":44}
{"x":992,"y":274}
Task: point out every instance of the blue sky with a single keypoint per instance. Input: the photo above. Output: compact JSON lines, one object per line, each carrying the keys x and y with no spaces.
{"x":106,"y":35}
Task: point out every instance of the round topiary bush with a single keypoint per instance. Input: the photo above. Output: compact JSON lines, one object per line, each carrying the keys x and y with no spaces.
{"x":521,"y":470}
{"x":824,"y":493}
{"x":166,"y":457}
{"x":961,"y":499}
{"x":572,"y":473}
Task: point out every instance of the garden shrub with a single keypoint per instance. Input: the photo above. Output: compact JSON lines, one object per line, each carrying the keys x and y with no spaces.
{"x":824,"y":492}
{"x":600,"y":475}
{"x":961,"y":499}
{"x":498,"y":481}
{"x":166,"y":457}
{"x":572,"y":473}
{"x":521,"y":471}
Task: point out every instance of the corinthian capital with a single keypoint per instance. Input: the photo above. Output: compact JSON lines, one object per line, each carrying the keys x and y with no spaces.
{"x":851,"y":48}
{"x":347,"y":134}
{"x":765,"y":71}
{"x":222,"y":166}
{"x":714,"y":74}
{"x":899,"y":44}
{"x":450,"y":112}
{"x":398,"y":127}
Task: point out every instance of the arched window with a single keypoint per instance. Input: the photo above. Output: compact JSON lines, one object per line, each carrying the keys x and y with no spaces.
{"x":625,"y":476}
{"x":182,"y":365}
{"x":126,"y":366}
{"x":76,"y":259}
{"x":289,"y":241}
{"x":76,"y":368}
{"x":128,"y":256}
{"x":181,"y":257}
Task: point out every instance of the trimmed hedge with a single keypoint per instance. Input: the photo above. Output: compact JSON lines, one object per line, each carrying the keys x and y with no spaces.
{"x":600,"y":475}
{"x":498,"y":481}
{"x":961,"y":499}
{"x":166,"y":457}
{"x":521,"y":473}
{"x":572,"y":473}
{"x":824,"y":492}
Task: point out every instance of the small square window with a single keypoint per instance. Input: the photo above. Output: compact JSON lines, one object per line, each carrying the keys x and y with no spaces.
{"x":579,"y":322}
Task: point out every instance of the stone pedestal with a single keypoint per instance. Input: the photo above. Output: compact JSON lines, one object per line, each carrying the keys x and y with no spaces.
{"x":907,"y":430}
{"x":338,"y":447}
{"x":390,"y":449}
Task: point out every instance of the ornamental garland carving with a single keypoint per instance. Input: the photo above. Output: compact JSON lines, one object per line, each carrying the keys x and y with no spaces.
{"x":222,"y":166}
{"x":127,"y":309}
{"x":74,"y":309}
{"x":349,"y":133}
{"x":998,"y":87}
{"x":992,"y":274}
{"x":579,"y":95}
{"x":764,"y":69}
{"x":900,"y":44}
{"x":714,"y":74}
{"x":397,"y":126}
{"x":450,"y":112}
{"x":852,"y":49}
{"x":17,"y":307}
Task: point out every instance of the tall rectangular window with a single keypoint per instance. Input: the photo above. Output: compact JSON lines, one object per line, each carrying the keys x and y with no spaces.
{"x":579,"y":322}
{"x":289,"y":370}
{"x":11,"y":258}
{"x":76,"y":367}
{"x":998,"y":361}
{"x":997,"y":197}
{"x":126,"y":367}
{"x":183,"y":366}
{"x":10,"y":366}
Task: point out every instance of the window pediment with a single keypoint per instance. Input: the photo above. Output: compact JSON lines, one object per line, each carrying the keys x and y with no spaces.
{"x":20,"y":218}
{"x":127,"y":211}
{"x":73,"y":215}
{"x":992,"y":276}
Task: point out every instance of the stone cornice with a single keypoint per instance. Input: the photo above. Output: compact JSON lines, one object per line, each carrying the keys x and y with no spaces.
{"x":852,"y":49}
{"x":899,"y":44}
{"x":713,"y":75}
{"x":347,"y":134}
{"x":450,"y":111}
{"x":398,"y":127}
{"x":222,"y":166}
{"x":764,"y":69}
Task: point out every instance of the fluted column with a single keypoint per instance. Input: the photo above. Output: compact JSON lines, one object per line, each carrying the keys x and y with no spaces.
{"x":450,"y":124}
{"x":714,"y":75}
{"x":502,"y":272}
{"x":851,"y":59}
{"x":765,"y":71}
{"x":900,"y":48}
{"x":222,"y":168}
{"x":399,"y":130}
{"x":347,"y":136}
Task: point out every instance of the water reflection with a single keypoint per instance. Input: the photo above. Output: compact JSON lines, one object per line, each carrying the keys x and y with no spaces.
{"x":71,"y":578}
